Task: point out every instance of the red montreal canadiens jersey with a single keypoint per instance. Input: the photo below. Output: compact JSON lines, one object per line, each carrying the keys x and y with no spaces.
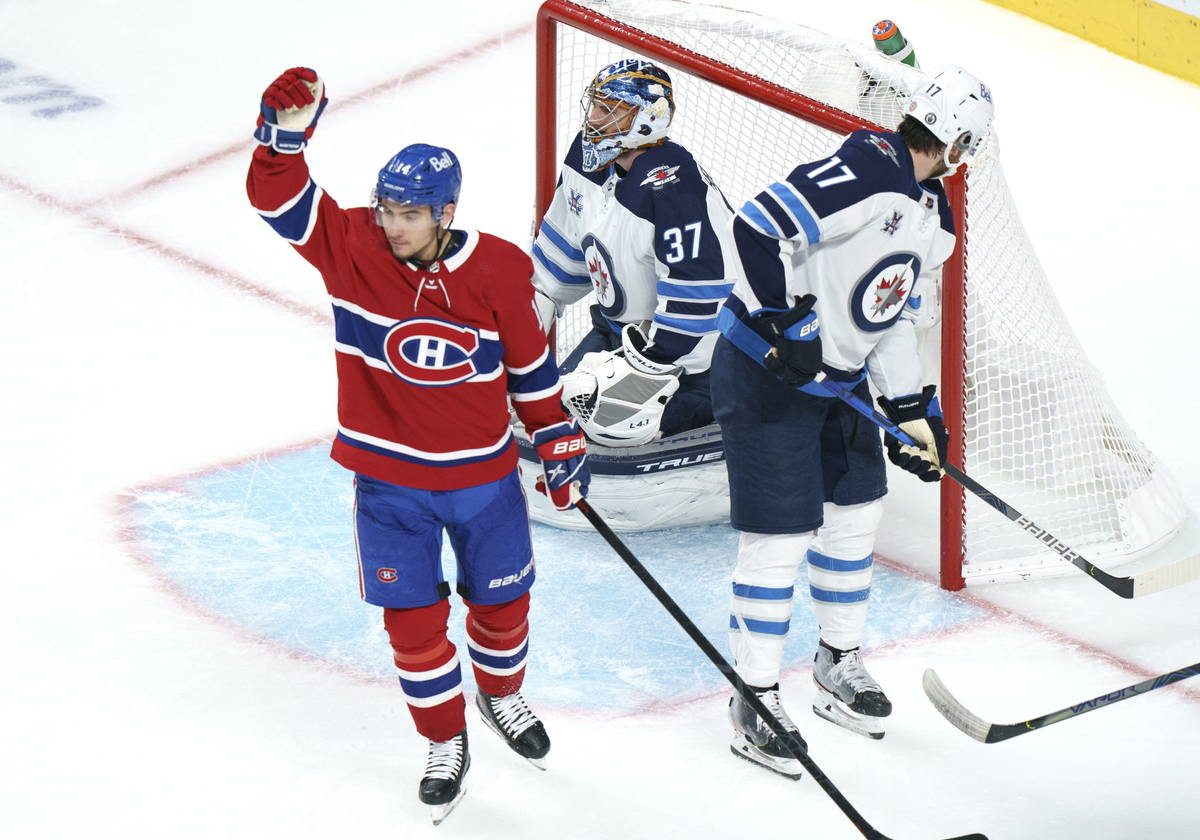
{"x":427,"y":359}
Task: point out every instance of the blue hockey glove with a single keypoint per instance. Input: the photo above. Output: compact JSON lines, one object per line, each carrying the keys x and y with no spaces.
{"x":289,"y":110}
{"x":565,"y":473}
{"x":920,"y":417}
{"x":796,"y":334}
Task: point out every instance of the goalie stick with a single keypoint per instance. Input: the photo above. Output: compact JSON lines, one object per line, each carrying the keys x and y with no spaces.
{"x":989,"y":733}
{"x":1144,"y":583}
{"x":727,"y":670}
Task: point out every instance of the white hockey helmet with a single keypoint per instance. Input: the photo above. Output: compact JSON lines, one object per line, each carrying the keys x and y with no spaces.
{"x":956,"y":108}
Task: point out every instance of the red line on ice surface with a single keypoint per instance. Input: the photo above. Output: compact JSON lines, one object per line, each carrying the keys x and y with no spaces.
{"x":354,"y":99}
{"x":236,"y":281}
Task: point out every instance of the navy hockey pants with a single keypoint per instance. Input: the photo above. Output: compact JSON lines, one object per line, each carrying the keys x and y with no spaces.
{"x":788,"y":452}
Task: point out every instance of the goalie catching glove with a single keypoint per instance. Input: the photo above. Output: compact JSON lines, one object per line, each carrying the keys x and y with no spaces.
{"x":565,"y":473}
{"x":920,"y":417}
{"x":619,"y":396}
{"x":289,"y":110}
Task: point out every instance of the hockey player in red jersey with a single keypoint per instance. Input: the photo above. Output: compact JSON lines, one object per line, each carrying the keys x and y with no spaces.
{"x":435,"y":331}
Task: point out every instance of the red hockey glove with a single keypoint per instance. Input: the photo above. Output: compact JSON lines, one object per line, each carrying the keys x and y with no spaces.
{"x":289,"y":110}
{"x":565,"y":473}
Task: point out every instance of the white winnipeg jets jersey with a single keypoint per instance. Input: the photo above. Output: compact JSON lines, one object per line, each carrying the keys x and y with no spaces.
{"x":858,"y":231}
{"x":654,"y":244}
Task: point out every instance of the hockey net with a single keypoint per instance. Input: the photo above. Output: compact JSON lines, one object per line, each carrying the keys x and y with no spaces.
{"x":1030,"y":416}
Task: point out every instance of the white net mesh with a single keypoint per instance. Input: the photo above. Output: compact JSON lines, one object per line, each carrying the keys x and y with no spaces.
{"x":1040,"y":431}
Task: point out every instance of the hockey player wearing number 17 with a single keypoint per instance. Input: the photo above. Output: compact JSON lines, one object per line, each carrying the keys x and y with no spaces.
{"x":435,"y":331}
{"x":836,"y":259}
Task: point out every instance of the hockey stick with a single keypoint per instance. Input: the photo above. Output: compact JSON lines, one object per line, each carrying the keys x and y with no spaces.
{"x":1145,"y":583}
{"x":989,"y":733}
{"x":731,"y":675}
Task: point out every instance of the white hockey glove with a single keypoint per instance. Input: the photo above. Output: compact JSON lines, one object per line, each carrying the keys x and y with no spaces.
{"x":619,"y":396}
{"x":920,"y":417}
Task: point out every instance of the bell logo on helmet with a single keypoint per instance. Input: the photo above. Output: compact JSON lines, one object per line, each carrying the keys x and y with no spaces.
{"x":442,"y":162}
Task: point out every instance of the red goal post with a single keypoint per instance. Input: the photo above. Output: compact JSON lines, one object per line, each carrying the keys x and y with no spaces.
{"x":691,"y":40}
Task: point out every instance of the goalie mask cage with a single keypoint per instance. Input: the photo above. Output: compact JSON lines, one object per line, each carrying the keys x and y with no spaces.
{"x":1028,"y":414}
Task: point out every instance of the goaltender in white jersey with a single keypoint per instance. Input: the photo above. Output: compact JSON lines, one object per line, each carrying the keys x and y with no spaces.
{"x":636,"y":220}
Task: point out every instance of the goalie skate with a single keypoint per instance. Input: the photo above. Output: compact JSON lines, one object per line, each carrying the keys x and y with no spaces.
{"x":754,"y":741}
{"x":846,"y":694}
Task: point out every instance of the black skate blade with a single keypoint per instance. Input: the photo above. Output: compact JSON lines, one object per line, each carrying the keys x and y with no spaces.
{"x":439,"y":812}
{"x":747,"y":756}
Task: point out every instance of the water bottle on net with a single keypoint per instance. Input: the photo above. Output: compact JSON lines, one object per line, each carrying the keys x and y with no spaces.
{"x":890,"y":41}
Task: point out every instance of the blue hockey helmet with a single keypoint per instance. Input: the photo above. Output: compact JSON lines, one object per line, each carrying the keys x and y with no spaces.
{"x":628,"y":84}
{"x":422,"y":175}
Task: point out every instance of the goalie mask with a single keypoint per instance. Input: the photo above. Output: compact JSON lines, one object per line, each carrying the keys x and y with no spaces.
{"x":627,"y":106}
{"x":619,"y":396}
{"x":957,"y":109}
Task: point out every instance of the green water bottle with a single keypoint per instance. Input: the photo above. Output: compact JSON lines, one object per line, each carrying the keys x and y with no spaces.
{"x":890,"y":42}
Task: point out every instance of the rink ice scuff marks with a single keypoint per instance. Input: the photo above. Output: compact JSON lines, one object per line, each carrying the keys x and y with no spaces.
{"x":267,"y":546}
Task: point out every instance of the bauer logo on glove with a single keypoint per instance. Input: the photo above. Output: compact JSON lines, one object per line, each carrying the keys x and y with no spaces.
{"x":565,"y":472}
{"x":290,"y":108}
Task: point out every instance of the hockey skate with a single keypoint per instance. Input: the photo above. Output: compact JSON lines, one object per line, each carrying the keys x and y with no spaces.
{"x":846,"y":694}
{"x":511,"y":718}
{"x":442,"y":785}
{"x":753,"y":739}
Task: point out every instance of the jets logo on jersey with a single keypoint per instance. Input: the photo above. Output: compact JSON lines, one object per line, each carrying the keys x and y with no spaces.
{"x":575,"y":202}
{"x":879,"y":296}
{"x":660,"y":176}
{"x":599,"y":264}
{"x":425,"y":351}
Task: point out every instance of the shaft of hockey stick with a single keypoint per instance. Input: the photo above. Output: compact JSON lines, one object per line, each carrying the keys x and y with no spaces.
{"x":1153,"y":580}
{"x":989,"y":733}
{"x":727,"y":670}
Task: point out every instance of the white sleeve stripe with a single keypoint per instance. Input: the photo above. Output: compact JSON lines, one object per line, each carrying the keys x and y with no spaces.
{"x":536,"y":395}
{"x":530,"y":367}
{"x":312,"y":219}
{"x":287,"y":205}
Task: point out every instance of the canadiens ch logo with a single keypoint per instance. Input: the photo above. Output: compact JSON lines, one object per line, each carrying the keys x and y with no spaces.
{"x":426,"y":351}
{"x":879,"y":296}
{"x":599,"y":262}
{"x":386,"y":575}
